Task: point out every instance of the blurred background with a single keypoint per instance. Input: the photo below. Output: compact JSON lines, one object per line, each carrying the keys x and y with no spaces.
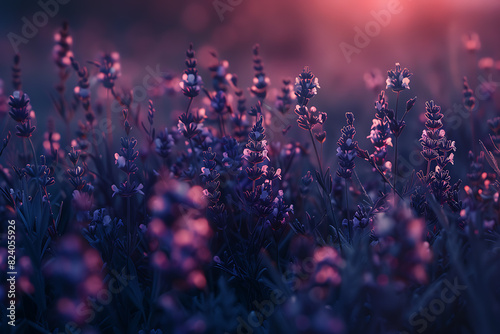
{"x":430,"y":37}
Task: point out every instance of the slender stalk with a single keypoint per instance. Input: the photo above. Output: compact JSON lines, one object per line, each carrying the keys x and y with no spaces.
{"x":36,"y":161}
{"x":321,"y":152}
{"x":428,"y":169}
{"x":189,"y":104}
{"x":190,"y":140}
{"x":335,"y":221}
{"x":108,"y":116}
{"x":362,"y":187}
{"x":347,"y":210}
{"x":221,"y":126}
{"x":396,"y":150}
{"x":387,"y":181}
{"x":39,"y":186}
{"x":473,"y":131}
{"x":316,"y":151}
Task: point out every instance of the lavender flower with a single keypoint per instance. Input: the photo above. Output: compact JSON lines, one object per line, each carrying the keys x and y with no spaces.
{"x":281,"y":213}
{"x":468,"y":96}
{"x":25,"y":130}
{"x":285,"y":100}
{"x":218,"y":102}
{"x":151,"y":114}
{"x":210,"y":176}
{"x":398,"y":79}
{"x":16,"y":73}
{"x":126,"y":162}
{"x":188,"y":125}
{"x":20,"y":107}
{"x":231,"y":155}
{"x":42,"y":175}
{"x":347,"y":148}
{"x":435,"y":145}
{"x":109,"y":69}
{"x":191,"y":82}
{"x":127,"y":189}
{"x":256,"y":151}
{"x":5,"y":142}
{"x":309,"y":117}
{"x":306,"y":87}
{"x":164,"y":143}
{"x":219,"y":72}
{"x":77,"y":172}
{"x":20,"y":111}
{"x":305,"y":184}
{"x":260,"y":81}
{"x":61,"y":52}
{"x":380,"y":137}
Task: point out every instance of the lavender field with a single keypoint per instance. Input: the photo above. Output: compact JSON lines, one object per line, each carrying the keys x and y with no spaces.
{"x":237,"y":166}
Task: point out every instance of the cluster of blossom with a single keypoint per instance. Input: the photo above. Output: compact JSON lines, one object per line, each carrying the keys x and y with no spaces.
{"x":219,"y":73}
{"x":380,"y":135}
{"x":125,"y":160}
{"x":260,"y":81}
{"x":285,"y":100}
{"x":436,"y":147}
{"x":347,"y":148}
{"x":210,"y":177}
{"x":178,"y":235}
{"x":61,"y":52}
{"x":191,"y":82}
{"x":400,"y":250}
{"x":109,"y":69}
{"x":306,"y":87}
{"x":20,"y":111}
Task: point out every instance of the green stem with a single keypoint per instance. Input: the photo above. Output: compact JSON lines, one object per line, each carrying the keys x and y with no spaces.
{"x":108,"y":113}
{"x":189,"y":104}
{"x":335,"y":222}
{"x":316,"y":151}
{"x":347,"y":210}
{"x":396,"y":150}
{"x":362,"y":187}
{"x":129,"y":234}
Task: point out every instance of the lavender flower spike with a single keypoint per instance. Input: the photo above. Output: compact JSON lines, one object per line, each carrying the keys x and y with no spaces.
{"x":398,"y":79}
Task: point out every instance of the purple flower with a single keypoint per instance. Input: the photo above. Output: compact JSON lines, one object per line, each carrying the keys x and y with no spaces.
{"x":306,"y":86}
{"x":191,"y":82}
{"x":127,"y":189}
{"x":468,"y":94}
{"x":20,"y":106}
{"x":285,"y":100}
{"x":25,"y":129}
{"x":61,"y":52}
{"x":218,"y":102}
{"x":309,"y":117}
{"x":347,"y":148}
{"x":164,"y":143}
{"x":398,"y":79}
{"x":260,"y":81}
